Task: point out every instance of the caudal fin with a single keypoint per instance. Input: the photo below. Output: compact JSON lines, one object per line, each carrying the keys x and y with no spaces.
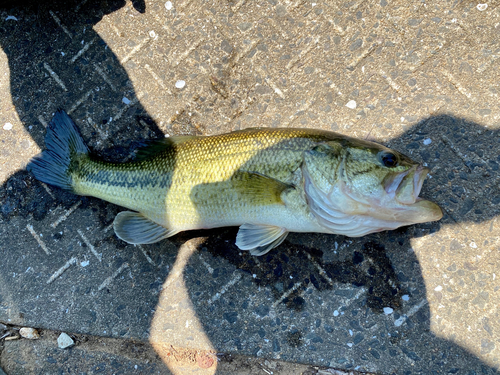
{"x":65,"y":147}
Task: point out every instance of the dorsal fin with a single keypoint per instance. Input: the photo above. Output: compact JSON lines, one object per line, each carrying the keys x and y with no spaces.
{"x":151,"y":148}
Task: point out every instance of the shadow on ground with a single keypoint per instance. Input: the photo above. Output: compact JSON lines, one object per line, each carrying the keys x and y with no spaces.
{"x":310,"y":320}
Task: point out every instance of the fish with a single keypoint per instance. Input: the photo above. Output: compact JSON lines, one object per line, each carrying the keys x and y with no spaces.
{"x":266,"y":181}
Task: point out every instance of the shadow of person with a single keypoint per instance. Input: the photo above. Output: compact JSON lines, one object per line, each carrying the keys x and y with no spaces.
{"x":57,"y":60}
{"x":365,"y":301}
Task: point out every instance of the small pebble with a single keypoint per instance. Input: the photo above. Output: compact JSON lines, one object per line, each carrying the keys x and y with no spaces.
{"x":180,"y":84}
{"x":11,"y":18}
{"x":168,"y":5}
{"x":406,"y":297}
{"x":29,"y":333}
{"x":427,"y":141}
{"x":10,"y":338}
{"x":126,"y":100}
{"x":64,"y":341}
{"x":7,"y":126}
{"x":351,"y":104}
{"x":85,"y":263}
{"x":335,"y":313}
{"x":482,"y":7}
{"x":388,"y":310}
{"x":438,"y":288}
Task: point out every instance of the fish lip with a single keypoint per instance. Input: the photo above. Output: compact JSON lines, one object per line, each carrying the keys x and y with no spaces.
{"x":418,"y":179}
{"x":395,"y":183}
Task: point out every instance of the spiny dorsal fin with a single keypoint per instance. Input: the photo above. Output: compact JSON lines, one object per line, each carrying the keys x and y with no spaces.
{"x":151,"y":148}
{"x":135,"y":228}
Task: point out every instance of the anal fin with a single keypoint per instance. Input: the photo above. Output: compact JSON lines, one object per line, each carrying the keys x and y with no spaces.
{"x":259,"y":239}
{"x":135,"y":228}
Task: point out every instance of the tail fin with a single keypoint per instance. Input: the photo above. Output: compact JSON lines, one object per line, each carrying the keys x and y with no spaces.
{"x":64,"y":144}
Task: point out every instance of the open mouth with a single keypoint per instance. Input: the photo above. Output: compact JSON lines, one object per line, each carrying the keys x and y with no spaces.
{"x":405,"y":186}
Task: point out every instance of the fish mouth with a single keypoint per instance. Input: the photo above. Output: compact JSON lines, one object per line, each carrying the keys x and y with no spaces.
{"x":405,"y":187}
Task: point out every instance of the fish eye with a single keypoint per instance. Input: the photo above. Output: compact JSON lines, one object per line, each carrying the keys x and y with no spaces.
{"x":389,"y":159}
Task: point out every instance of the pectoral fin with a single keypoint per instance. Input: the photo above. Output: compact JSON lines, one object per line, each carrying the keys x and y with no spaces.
{"x":259,"y":239}
{"x":135,"y":228}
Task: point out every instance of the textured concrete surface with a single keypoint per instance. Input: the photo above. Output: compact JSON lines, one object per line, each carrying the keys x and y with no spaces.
{"x":421,"y":77}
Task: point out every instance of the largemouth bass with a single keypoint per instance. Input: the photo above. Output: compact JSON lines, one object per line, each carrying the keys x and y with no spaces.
{"x":266,"y":181}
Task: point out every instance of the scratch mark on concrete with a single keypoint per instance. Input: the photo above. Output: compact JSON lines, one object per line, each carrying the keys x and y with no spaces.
{"x":321,"y":270}
{"x":66,"y":214}
{"x":224,"y":289}
{"x":59,"y":23}
{"x":61,"y":270}
{"x":42,"y":121}
{"x":38,"y":239}
{"x":82,"y":51}
{"x":80,"y":101}
{"x":287,"y":293}
{"x":398,"y":322}
{"x":389,"y":80}
{"x":303,"y":53}
{"x":157,"y":79}
{"x":91,"y":247}
{"x":134,"y":50}
{"x":108,"y":281}
{"x":462,"y":90}
{"x":47,"y":189}
{"x":205,"y":263}
{"x":148,"y":258}
{"x":55,"y":76}
{"x":127,"y":106}
{"x":104,"y":76}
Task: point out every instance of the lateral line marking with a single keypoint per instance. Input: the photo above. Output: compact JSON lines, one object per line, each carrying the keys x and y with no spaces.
{"x":224,"y":289}
{"x":287,"y":293}
{"x":59,"y":23}
{"x":66,"y":214}
{"x":82,"y":51}
{"x":61,"y":270}
{"x":91,"y":247}
{"x":148,"y":258}
{"x":321,"y":270}
{"x":80,"y":101}
{"x":108,"y":281}
{"x":104,"y":77}
{"x":135,"y":50}
{"x":55,"y":76}
{"x":38,"y":239}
